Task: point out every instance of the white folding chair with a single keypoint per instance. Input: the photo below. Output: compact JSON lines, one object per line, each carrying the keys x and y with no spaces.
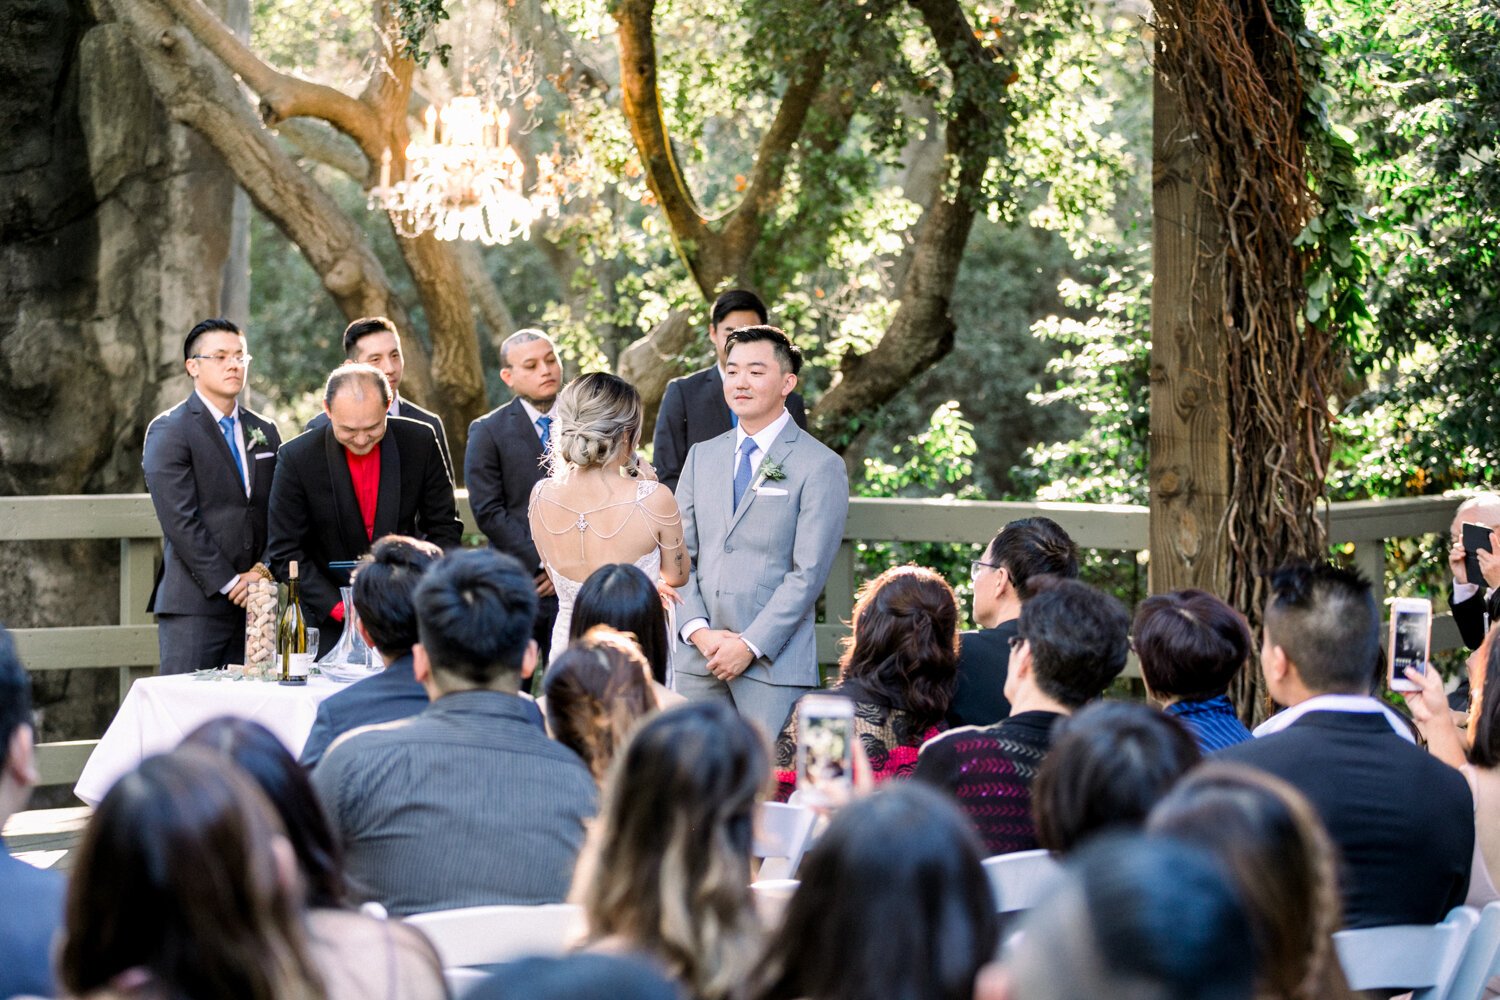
{"x":771,"y":897}
{"x":483,"y":935}
{"x":1420,"y":957}
{"x":782,"y":834}
{"x":1480,"y":961}
{"x":1018,"y":880}
{"x":460,"y":981}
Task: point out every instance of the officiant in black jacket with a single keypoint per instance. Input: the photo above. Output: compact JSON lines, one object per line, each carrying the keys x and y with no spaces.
{"x":339,"y":487}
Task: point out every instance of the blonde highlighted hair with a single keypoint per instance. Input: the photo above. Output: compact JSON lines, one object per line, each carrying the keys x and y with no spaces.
{"x":598,"y":418}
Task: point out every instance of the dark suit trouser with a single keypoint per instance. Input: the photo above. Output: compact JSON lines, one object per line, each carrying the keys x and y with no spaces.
{"x":200,"y":642}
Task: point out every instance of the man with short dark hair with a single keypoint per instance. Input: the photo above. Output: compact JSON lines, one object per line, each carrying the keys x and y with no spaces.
{"x":344,"y":485}
{"x":763,"y":509}
{"x":385,"y":586}
{"x":469,"y":803}
{"x":374,"y":341}
{"x":1072,"y":641}
{"x":1023,"y":550}
{"x":507,"y":456}
{"x":1403,"y":821}
{"x":693,"y":408}
{"x":32,"y":908}
{"x":209,"y":463}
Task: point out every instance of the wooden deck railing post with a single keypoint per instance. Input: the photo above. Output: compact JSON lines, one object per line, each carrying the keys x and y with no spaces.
{"x":137,"y":576}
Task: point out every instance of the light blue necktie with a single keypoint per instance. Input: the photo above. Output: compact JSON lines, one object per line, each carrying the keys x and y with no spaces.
{"x":745,"y":471}
{"x":226,"y":424}
{"x":545,"y":423}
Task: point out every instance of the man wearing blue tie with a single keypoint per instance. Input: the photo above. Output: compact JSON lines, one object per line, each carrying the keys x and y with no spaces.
{"x":507,"y":456}
{"x":208,"y":464}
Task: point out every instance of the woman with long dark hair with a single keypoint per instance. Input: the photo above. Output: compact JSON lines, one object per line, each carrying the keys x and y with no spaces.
{"x":357,"y":955}
{"x":900,"y":669}
{"x":182,"y":888}
{"x":1273,"y":844}
{"x":624,"y":598}
{"x":668,"y":872}
{"x":893,"y":902}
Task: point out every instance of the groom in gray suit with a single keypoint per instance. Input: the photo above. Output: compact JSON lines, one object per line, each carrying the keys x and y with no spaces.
{"x":763,"y":509}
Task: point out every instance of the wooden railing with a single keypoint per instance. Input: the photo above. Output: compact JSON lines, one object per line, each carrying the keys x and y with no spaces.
{"x":130,"y":647}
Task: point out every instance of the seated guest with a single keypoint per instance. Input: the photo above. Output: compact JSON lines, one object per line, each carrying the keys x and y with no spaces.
{"x":596,"y":693}
{"x":358,"y":956}
{"x":1071,"y":644}
{"x":468,"y":803}
{"x":576,"y":977}
{"x":1402,"y":820}
{"x":898,"y":670}
{"x":1137,"y":918}
{"x":668,"y":873}
{"x":1284,"y":864}
{"x":893,"y":902}
{"x":32,"y":911}
{"x":1109,"y":765}
{"x":1191,"y":645}
{"x":384,"y":583}
{"x":1476,"y":756}
{"x":178,"y":890}
{"x":1024,"y":550}
{"x":624,"y":598}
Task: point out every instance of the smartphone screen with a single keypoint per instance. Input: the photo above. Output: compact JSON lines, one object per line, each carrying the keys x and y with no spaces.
{"x":825,"y":749}
{"x":1411,"y":633}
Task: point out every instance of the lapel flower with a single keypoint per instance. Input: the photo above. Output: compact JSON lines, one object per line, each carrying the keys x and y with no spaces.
{"x":769,"y":470}
{"x":257,"y":437}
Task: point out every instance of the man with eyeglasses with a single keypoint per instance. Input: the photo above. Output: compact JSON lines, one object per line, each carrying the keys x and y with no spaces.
{"x":1023,"y":551}
{"x":209,"y":464}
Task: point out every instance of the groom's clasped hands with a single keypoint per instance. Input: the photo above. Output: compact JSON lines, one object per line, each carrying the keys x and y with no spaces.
{"x":726,"y":652}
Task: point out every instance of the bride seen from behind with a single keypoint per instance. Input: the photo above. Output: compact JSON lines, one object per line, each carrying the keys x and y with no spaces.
{"x":601,"y":504}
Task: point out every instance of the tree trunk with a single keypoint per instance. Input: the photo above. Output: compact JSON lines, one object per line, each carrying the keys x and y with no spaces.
{"x":114,"y":226}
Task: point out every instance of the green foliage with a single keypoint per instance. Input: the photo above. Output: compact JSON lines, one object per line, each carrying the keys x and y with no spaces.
{"x":417,"y":22}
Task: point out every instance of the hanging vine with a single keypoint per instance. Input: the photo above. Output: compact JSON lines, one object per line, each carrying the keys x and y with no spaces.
{"x":1281,"y":177}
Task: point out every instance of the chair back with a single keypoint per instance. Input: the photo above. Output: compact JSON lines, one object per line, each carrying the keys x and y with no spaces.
{"x":1420,"y":957}
{"x":1481,"y":958}
{"x":1018,"y":880}
{"x":782,"y":834}
{"x":484,"y":935}
{"x":460,"y":980}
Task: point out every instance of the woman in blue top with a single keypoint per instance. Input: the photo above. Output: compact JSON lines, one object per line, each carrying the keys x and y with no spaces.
{"x":1191,"y":644}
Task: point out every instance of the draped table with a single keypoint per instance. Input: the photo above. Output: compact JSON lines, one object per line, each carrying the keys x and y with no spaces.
{"x":159,"y":711}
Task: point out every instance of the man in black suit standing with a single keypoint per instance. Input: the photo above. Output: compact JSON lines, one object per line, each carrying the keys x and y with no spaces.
{"x":1470,"y":600}
{"x":361,"y":476}
{"x":374,"y":341}
{"x":506,"y":458}
{"x":1403,"y":821}
{"x":693,"y":409}
{"x":209,"y":465}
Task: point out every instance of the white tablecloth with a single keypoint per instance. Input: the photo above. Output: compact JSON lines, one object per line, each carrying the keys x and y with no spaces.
{"x":159,"y":711}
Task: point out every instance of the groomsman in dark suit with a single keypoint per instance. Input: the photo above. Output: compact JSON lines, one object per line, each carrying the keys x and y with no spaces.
{"x":361,"y":476}
{"x":374,"y":341}
{"x":506,"y":458}
{"x":693,"y":408}
{"x":209,"y":464}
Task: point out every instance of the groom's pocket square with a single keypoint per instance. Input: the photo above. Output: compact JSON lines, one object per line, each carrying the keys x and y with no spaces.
{"x":269,"y":454}
{"x":770,"y":491}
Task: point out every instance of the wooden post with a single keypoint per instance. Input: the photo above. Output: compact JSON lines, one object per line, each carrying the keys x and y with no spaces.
{"x":137,"y":574}
{"x":1190,"y":469}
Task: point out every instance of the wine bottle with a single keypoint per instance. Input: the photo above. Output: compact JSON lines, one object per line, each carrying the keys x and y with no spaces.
{"x":291,"y":634}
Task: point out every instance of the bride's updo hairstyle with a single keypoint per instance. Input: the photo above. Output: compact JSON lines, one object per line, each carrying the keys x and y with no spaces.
{"x":598,"y":419}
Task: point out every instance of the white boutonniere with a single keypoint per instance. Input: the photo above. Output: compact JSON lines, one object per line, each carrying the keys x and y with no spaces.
{"x":769,"y":472}
{"x":257,"y":437}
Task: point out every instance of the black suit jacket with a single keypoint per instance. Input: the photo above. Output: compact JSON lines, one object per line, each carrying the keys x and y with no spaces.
{"x":389,"y":695}
{"x":211,"y":529}
{"x":983,"y":662}
{"x":1403,"y":821}
{"x":315,"y":517}
{"x":693,"y":410}
{"x":411,"y":411}
{"x":503,"y":462}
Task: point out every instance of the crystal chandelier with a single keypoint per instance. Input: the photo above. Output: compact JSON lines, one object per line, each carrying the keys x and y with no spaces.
{"x":463,"y":179}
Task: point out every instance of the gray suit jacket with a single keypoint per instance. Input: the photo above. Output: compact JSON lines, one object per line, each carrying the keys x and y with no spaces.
{"x":759,"y":570}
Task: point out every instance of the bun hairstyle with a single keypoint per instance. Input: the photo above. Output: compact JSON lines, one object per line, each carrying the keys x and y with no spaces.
{"x":598,"y":419}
